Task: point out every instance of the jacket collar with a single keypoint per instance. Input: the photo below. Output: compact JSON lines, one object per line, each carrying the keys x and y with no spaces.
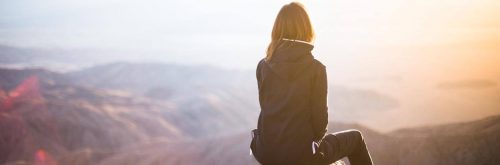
{"x":293,"y":51}
{"x":294,"y":40}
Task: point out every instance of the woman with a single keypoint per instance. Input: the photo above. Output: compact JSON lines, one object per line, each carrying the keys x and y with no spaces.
{"x":293,"y":99}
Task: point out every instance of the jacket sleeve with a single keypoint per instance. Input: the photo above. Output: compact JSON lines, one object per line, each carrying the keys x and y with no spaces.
{"x":258,"y":73}
{"x":319,"y":103}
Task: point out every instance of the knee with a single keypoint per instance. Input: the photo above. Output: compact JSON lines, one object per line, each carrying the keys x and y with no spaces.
{"x":357,"y":134}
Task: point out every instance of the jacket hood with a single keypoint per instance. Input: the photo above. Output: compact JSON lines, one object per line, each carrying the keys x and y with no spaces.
{"x":290,"y":59}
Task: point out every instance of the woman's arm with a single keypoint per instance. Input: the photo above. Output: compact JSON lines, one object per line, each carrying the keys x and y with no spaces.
{"x":319,"y":103}
{"x":258,"y":72}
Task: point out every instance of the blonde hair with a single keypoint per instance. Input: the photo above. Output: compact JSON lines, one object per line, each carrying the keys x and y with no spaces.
{"x":291,"y":23}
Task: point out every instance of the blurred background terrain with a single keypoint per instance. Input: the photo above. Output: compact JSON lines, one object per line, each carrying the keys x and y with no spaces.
{"x":173,"y":82}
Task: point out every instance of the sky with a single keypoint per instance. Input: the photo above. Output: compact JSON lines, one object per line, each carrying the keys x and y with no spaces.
{"x":235,"y":34}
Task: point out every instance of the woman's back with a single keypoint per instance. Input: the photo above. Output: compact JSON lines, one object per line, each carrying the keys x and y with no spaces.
{"x":287,"y":89}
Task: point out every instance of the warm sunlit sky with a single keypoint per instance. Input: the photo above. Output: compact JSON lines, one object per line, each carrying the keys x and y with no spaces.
{"x":234,"y":33}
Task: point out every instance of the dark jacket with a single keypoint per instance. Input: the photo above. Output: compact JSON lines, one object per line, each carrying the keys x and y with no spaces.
{"x":293,"y":101}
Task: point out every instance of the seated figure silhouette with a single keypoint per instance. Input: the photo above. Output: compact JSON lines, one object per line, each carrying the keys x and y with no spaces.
{"x":293,"y":98}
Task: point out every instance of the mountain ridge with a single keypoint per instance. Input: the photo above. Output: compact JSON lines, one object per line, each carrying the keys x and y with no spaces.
{"x":85,"y":124}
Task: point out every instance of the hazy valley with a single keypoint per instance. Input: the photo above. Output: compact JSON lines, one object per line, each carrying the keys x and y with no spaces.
{"x":153,"y":113}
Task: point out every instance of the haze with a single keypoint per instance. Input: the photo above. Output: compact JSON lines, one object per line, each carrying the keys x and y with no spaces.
{"x":407,"y":50}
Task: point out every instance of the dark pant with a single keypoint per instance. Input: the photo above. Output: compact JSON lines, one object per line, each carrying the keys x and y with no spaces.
{"x":348,"y":144}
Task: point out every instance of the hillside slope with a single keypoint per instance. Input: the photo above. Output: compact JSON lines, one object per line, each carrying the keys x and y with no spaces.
{"x":59,"y":117}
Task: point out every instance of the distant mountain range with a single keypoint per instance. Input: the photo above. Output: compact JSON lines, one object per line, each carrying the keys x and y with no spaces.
{"x":54,"y":58}
{"x":126,"y":113}
{"x":186,"y":84}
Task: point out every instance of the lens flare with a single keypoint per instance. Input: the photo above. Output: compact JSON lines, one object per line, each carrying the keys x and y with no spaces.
{"x":44,"y":158}
{"x":28,"y":89}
